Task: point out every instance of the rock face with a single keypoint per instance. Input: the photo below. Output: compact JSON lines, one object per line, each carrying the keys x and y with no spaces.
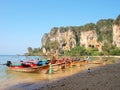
{"x":89,"y":39}
{"x":45,"y":38}
{"x":104,"y":32}
{"x":65,"y":39}
{"x":116,"y":35}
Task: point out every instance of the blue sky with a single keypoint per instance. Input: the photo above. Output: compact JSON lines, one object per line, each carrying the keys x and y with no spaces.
{"x":23,"y":22}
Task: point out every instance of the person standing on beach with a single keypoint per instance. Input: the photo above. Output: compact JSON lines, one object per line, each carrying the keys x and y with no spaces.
{"x":89,"y":70}
{"x":50,"y":69}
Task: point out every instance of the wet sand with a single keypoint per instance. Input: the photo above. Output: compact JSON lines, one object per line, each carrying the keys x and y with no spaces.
{"x":102,"y":78}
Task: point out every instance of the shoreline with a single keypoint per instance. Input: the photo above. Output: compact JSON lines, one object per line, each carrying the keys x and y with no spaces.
{"x":77,"y":80}
{"x":106,"y":56}
{"x":98,"y":78}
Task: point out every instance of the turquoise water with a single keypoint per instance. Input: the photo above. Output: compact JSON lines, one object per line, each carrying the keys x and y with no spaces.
{"x":5,"y":75}
{"x":13,"y":58}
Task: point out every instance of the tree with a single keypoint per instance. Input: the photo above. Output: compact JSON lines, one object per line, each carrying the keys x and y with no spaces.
{"x":117,"y":21}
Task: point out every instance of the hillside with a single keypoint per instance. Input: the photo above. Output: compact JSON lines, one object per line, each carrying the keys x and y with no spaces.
{"x":101,"y":38}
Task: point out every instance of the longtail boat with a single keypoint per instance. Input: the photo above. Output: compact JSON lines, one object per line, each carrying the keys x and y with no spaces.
{"x":35,"y":69}
{"x":27,"y":67}
{"x":27,"y":70}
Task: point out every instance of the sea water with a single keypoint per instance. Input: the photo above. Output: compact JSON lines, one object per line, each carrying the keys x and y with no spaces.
{"x":8,"y":78}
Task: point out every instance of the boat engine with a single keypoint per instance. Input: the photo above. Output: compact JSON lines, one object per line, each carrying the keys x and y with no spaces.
{"x":9,"y":63}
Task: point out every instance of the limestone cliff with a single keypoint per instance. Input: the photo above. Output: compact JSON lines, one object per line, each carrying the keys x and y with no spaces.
{"x":68,"y":39}
{"x":65,"y":39}
{"x":90,"y":39}
{"x":116,"y":35}
{"x":104,"y":32}
{"x":116,"y":32}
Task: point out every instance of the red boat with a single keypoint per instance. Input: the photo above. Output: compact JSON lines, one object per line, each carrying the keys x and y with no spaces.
{"x":27,"y":67}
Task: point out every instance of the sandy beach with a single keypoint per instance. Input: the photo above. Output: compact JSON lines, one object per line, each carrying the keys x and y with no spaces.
{"x":100,"y":78}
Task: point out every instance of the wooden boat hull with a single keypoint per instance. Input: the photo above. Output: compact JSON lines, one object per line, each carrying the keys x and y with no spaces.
{"x":27,"y":70}
{"x":36,"y":69}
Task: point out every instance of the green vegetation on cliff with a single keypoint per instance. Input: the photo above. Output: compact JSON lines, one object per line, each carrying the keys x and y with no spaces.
{"x":104,"y":30}
{"x":53,"y":45}
{"x":81,"y":51}
{"x":117,"y":21}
